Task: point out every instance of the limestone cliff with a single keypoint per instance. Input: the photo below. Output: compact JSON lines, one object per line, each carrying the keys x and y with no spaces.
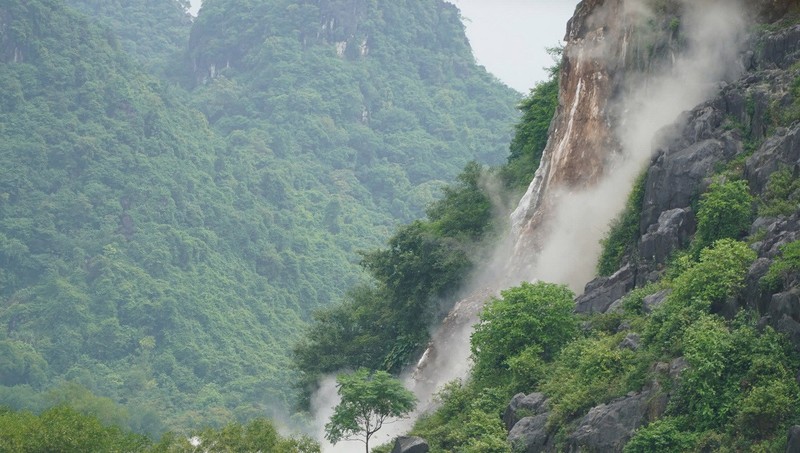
{"x":746,"y":124}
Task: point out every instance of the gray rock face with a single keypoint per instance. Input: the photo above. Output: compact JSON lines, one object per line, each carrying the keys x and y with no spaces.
{"x":530,"y":435}
{"x":793,"y":445}
{"x":780,"y":150}
{"x":678,"y":172}
{"x":631,"y":341}
{"x":780,"y":49}
{"x":608,"y":427}
{"x":673,"y":230}
{"x":653,"y":301}
{"x":601,"y":292}
{"x":676,"y":367}
{"x":407,"y":444}
{"x":523,"y":405}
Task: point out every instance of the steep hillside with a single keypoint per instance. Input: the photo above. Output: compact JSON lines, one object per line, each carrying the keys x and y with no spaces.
{"x":372,"y":104}
{"x":689,"y":341}
{"x":169,"y":263}
{"x":155,"y":32}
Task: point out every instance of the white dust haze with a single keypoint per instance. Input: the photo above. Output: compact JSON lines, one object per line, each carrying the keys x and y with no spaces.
{"x":714,"y":31}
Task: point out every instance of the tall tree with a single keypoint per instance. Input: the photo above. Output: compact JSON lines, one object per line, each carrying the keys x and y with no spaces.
{"x":369,"y":399}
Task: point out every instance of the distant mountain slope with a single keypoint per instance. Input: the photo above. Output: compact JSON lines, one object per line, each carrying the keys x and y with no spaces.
{"x":170,"y":265}
{"x":153,"y":31}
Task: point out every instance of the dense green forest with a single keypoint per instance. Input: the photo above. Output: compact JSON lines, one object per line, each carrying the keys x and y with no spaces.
{"x":167,"y":229}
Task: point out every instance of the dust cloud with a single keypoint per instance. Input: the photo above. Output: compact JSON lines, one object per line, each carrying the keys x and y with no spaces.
{"x":713,"y":31}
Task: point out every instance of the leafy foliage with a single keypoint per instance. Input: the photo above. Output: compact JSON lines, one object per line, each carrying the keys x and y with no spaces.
{"x":468,"y":419}
{"x":141,"y":224}
{"x":782,"y":194}
{"x":725,"y":211}
{"x":152,"y":31}
{"x":532,"y":319}
{"x":63,"y":429}
{"x":590,"y":371}
{"x":368,"y":400}
{"x":663,"y":435}
{"x":719,"y":274}
{"x":531,"y":133}
{"x":259,"y":434}
{"x":623,"y":231}
{"x":784,"y":266}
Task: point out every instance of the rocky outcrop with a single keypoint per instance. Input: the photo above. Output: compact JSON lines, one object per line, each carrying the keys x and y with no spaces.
{"x":601,"y":292}
{"x":672,"y":231}
{"x":409,"y":444}
{"x":530,"y":435}
{"x":678,"y":172}
{"x":608,"y":427}
{"x":523,"y":405}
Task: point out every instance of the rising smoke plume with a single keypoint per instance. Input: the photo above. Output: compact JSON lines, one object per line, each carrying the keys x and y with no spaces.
{"x":576,"y":217}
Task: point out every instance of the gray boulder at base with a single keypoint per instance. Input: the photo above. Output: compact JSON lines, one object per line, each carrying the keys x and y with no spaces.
{"x":522,"y":406}
{"x":793,"y":445}
{"x":608,"y":427}
{"x":530,"y":435}
{"x":408,"y":444}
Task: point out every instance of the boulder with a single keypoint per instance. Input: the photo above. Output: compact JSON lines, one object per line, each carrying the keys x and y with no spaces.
{"x":673,"y":231}
{"x":409,"y":444}
{"x":653,"y":301}
{"x":530,"y":435}
{"x":602,"y":292}
{"x":676,"y":367}
{"x":608,"y":427}
{"x":522,"y":406}
{"x":631,"y":341}
{"x":793,"y":446}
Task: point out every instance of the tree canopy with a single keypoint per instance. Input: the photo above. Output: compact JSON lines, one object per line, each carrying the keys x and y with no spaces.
{"x":368,"y":400}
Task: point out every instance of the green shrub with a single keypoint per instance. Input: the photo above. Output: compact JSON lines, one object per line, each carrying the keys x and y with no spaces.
{"x":528,"y":315}
{"x":623,"y":231}
{"x":719,"y":274}
{"x":587,"y":372}
{"x":531,"y":133}
{"x":704,"y":394}
{"x":783,"y":266}
{"x":662,"y":436}
{"x":725,"y":211}
{"x":740,"y":382}
{"x":767,"y":407}
{"x":468,"y":419}
{"x":782,"y":194}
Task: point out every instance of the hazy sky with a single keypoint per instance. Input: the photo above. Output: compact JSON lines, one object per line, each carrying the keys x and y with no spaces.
{"x":509,"y":36}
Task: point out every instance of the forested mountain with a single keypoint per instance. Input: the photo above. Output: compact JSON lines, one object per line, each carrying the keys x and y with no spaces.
{"x":163,"y":245}
{"x":153,"y":32}
{"x":179,"y":242}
